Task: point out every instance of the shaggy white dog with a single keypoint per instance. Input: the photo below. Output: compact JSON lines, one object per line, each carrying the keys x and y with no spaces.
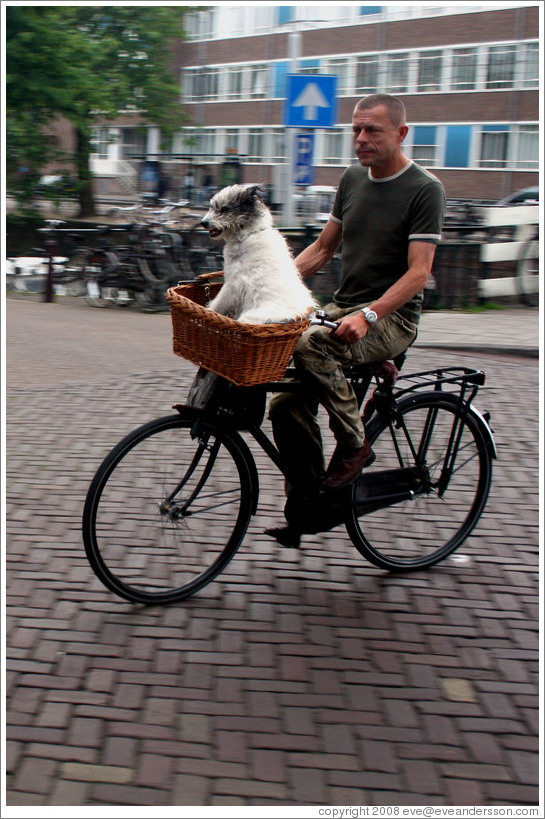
{"x":261,"y":282}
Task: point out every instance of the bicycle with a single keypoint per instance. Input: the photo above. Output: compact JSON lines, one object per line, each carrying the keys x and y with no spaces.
{"x":527,"y":271}
{"x":170,"y":504}
{"x":159,"y":256}
{"x":91,"y":270}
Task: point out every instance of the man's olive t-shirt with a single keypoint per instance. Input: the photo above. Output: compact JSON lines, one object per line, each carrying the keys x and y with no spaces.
{"x":379,"y":218}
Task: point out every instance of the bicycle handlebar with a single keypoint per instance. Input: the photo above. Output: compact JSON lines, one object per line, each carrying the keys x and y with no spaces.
{"x":319,"y":319}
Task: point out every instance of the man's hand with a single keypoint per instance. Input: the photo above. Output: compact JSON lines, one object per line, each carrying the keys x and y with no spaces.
{"x":351,"y":328}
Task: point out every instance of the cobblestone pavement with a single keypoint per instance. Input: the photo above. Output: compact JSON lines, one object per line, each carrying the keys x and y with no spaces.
{"x":300,"y":678}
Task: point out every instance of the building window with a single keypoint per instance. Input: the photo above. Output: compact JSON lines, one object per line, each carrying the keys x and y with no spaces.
{"x":255,"y":145}
{"x":397,"y":73}
{"x":494,"y":146}
{"x":285,"y":14}
{"x":338,"y":68}
{"x":367,"y":75}
{"x":201,"y":24}
{"x":464,"y":68}
{"x":530,"y":62}
{"x":527,"y":146}
{"x":100,"y":140}
{"x":206,"y":146}
{"x":425,"y":145}
{"x":430,"y":65}
{"x":278,"y":146}
{"x":201,"y":84}
{"x":309,"y":67}
{"x":234,"y":83}
{"x":258,"y":81}
{"x":458,"y":145}
{"x":365,"y":10}
{"x":280,"y":71}
{"x":501,"y":67}
{"x":333,"y":147}
{"x":232,"y":141}
{"x":133,"y":142}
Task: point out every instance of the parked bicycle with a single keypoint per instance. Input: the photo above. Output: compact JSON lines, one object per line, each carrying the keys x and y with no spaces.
{"x":88,"y":263}
{"x":158,"y":252}
{"x":171,"y":503}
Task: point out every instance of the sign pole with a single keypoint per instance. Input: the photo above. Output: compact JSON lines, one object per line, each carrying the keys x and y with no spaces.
{"x":294,"y":54}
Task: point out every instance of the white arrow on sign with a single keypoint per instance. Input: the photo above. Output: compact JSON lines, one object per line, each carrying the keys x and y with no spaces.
{"x":311,"y":98}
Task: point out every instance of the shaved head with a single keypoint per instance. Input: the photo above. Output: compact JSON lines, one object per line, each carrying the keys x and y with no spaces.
{"x":394,"y":106}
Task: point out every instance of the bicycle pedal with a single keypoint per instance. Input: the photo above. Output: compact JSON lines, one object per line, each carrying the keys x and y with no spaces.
{"x":285,"y":536}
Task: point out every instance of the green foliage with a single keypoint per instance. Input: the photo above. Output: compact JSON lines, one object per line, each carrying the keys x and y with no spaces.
{"x":86,"y":63}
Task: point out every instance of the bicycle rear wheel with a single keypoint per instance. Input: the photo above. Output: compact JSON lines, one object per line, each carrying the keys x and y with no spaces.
{"x":167,"y":511}
{"x":419,"y":532}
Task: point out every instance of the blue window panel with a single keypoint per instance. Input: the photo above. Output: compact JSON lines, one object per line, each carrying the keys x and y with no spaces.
{"x":424,"y":135}
{"x":309,"y":64}
{"x":370,"y":9}
{"x":458,"y":144}
{"x":496,"y":128}
{"x":285,"y":14}
{"x":280,"y":71}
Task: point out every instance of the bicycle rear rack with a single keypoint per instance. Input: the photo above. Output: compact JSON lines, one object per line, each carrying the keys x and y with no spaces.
{"x":463,"y":376}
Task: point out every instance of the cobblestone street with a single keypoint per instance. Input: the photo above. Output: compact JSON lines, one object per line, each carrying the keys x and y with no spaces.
{"x":307,"y":678}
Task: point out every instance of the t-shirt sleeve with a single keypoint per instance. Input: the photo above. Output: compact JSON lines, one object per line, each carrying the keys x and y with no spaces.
{"x":427,"y":214}
{"x":336,"y":210}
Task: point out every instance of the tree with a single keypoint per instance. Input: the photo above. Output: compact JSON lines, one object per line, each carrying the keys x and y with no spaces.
{"x":86,"y":63}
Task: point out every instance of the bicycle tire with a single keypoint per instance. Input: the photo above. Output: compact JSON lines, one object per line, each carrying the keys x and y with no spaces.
{"x":72,"y":273}
{"x":139,"y":541}
{"x":527,"y":273}
{"x":410,"y":535}
{"x":98,"y":268}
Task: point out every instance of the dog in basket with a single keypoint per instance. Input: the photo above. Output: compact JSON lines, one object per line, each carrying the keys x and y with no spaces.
{"x":261,"y":282}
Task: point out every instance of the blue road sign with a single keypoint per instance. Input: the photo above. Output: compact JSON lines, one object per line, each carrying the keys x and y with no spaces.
{"x":303,"y":171}
{"x":311,"y":101}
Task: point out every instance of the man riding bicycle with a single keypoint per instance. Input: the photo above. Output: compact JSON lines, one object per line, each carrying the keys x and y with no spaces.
{"x":388,"y":214}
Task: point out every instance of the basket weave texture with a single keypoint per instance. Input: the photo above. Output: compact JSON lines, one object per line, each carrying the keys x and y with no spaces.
{"x":245,"y":354}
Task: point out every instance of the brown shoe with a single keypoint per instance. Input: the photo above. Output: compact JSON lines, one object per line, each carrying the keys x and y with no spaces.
{"x":346,"y":465}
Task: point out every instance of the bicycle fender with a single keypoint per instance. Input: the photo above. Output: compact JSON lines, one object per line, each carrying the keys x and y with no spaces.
{"x":485,"y":429}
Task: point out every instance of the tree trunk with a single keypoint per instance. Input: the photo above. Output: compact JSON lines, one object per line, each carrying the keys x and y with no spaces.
{"x":87,"y":206}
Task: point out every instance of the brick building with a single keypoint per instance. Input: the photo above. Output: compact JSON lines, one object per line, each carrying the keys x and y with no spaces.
{"x":468,"y":74}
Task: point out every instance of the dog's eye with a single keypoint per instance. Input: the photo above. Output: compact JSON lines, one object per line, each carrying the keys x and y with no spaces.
{"x":225,"y":209}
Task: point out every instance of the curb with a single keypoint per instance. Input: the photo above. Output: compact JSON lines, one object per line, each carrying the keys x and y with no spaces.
{"x":521,"y":352}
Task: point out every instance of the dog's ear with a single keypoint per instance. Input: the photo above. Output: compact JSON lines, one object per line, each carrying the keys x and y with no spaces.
{"x":256,"y":191}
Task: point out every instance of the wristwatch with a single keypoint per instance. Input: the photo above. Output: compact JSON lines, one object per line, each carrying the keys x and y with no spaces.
{"x":370,"y":315}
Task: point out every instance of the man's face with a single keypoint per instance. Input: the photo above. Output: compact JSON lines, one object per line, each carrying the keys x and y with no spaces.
{"x":377,"y":141}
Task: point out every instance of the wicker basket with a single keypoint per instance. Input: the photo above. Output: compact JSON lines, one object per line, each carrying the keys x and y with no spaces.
{"x":246,"y":354}
{"x":203,"y":289}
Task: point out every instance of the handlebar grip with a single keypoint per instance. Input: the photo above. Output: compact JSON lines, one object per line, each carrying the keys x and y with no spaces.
{"x":319,"y":319}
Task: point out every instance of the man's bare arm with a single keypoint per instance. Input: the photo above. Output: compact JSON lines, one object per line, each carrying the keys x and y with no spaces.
{"x":420,"y":261}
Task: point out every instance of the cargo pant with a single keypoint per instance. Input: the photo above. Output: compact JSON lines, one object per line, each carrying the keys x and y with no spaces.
{"x":319,"y":358}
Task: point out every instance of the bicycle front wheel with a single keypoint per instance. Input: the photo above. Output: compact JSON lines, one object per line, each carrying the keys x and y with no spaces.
{"x":166,"y":511}
{"x":447,"y":502}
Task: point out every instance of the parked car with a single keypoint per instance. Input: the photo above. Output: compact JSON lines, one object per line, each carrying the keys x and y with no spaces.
{"x":526,"y":196}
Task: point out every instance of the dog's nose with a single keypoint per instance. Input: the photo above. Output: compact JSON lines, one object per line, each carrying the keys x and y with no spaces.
{"x":205,"y":223}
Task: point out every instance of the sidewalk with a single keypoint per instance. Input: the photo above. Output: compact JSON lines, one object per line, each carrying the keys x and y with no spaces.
{"x":513,"y":331}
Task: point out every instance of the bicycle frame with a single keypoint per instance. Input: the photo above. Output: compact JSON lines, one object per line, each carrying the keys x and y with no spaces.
{"x":409,"y":477}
